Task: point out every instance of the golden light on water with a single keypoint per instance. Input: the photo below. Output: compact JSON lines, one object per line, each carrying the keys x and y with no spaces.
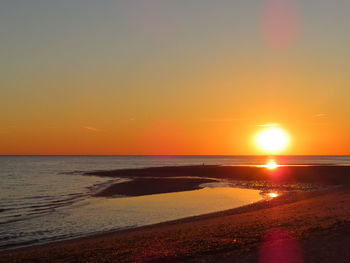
{"x":272,"y":195}
{"x":272,"y":140}
{"x":271,"y":165}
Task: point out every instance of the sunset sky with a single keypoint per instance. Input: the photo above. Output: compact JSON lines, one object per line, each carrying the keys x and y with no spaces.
{"x":173,"y":76}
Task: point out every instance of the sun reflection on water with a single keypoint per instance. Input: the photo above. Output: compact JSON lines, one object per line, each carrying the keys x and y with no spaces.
{"x":271,"y":165}
{"x":272,"y":195}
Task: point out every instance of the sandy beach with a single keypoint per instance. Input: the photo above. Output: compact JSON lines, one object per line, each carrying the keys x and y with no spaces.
{"x":147,"y":186}
{"x":300,"y":226}
{"x":321,"y":174}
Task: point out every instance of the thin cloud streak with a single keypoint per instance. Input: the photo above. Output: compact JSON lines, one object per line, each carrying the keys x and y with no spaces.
{"x":268,"y":125}
{"x":90,"y":128}
{"x":222,"y":120}
{"x":321,"y":115}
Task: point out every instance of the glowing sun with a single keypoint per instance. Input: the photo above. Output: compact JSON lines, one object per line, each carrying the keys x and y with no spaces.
{"x":272,"y":140}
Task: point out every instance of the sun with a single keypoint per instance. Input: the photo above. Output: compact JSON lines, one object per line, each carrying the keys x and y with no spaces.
{"x":272,"y":140}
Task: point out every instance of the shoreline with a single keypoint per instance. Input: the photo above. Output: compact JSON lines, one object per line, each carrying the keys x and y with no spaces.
{"x":150,"y":186}
{"x":170,"y":179}
{"x":208,"y":237}
{"x":202,"y":228}
{"x":324,"y":174}
{"x":262,"y":204}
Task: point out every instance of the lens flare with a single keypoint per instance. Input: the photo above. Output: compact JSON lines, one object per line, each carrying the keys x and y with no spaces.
{"x":279,"y":245}
{"x":281,"y":23}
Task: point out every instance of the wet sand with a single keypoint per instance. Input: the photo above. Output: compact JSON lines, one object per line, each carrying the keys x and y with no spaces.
{"x":321,"y":174}
{"x":158,"y":180}
{"x":295,"y":227}
{"x":148,"y":186}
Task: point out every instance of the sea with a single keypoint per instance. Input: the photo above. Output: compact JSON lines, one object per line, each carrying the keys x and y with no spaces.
{"x":47,"y":198}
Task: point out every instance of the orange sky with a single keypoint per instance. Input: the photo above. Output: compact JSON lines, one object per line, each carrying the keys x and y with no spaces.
{"x":165,"y":77}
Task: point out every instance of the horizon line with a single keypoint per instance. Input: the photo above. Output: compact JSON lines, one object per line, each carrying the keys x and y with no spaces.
{"x":150,"y":155}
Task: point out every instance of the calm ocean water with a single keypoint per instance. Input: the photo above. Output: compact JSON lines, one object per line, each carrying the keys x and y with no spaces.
{"x":41,"y":200}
